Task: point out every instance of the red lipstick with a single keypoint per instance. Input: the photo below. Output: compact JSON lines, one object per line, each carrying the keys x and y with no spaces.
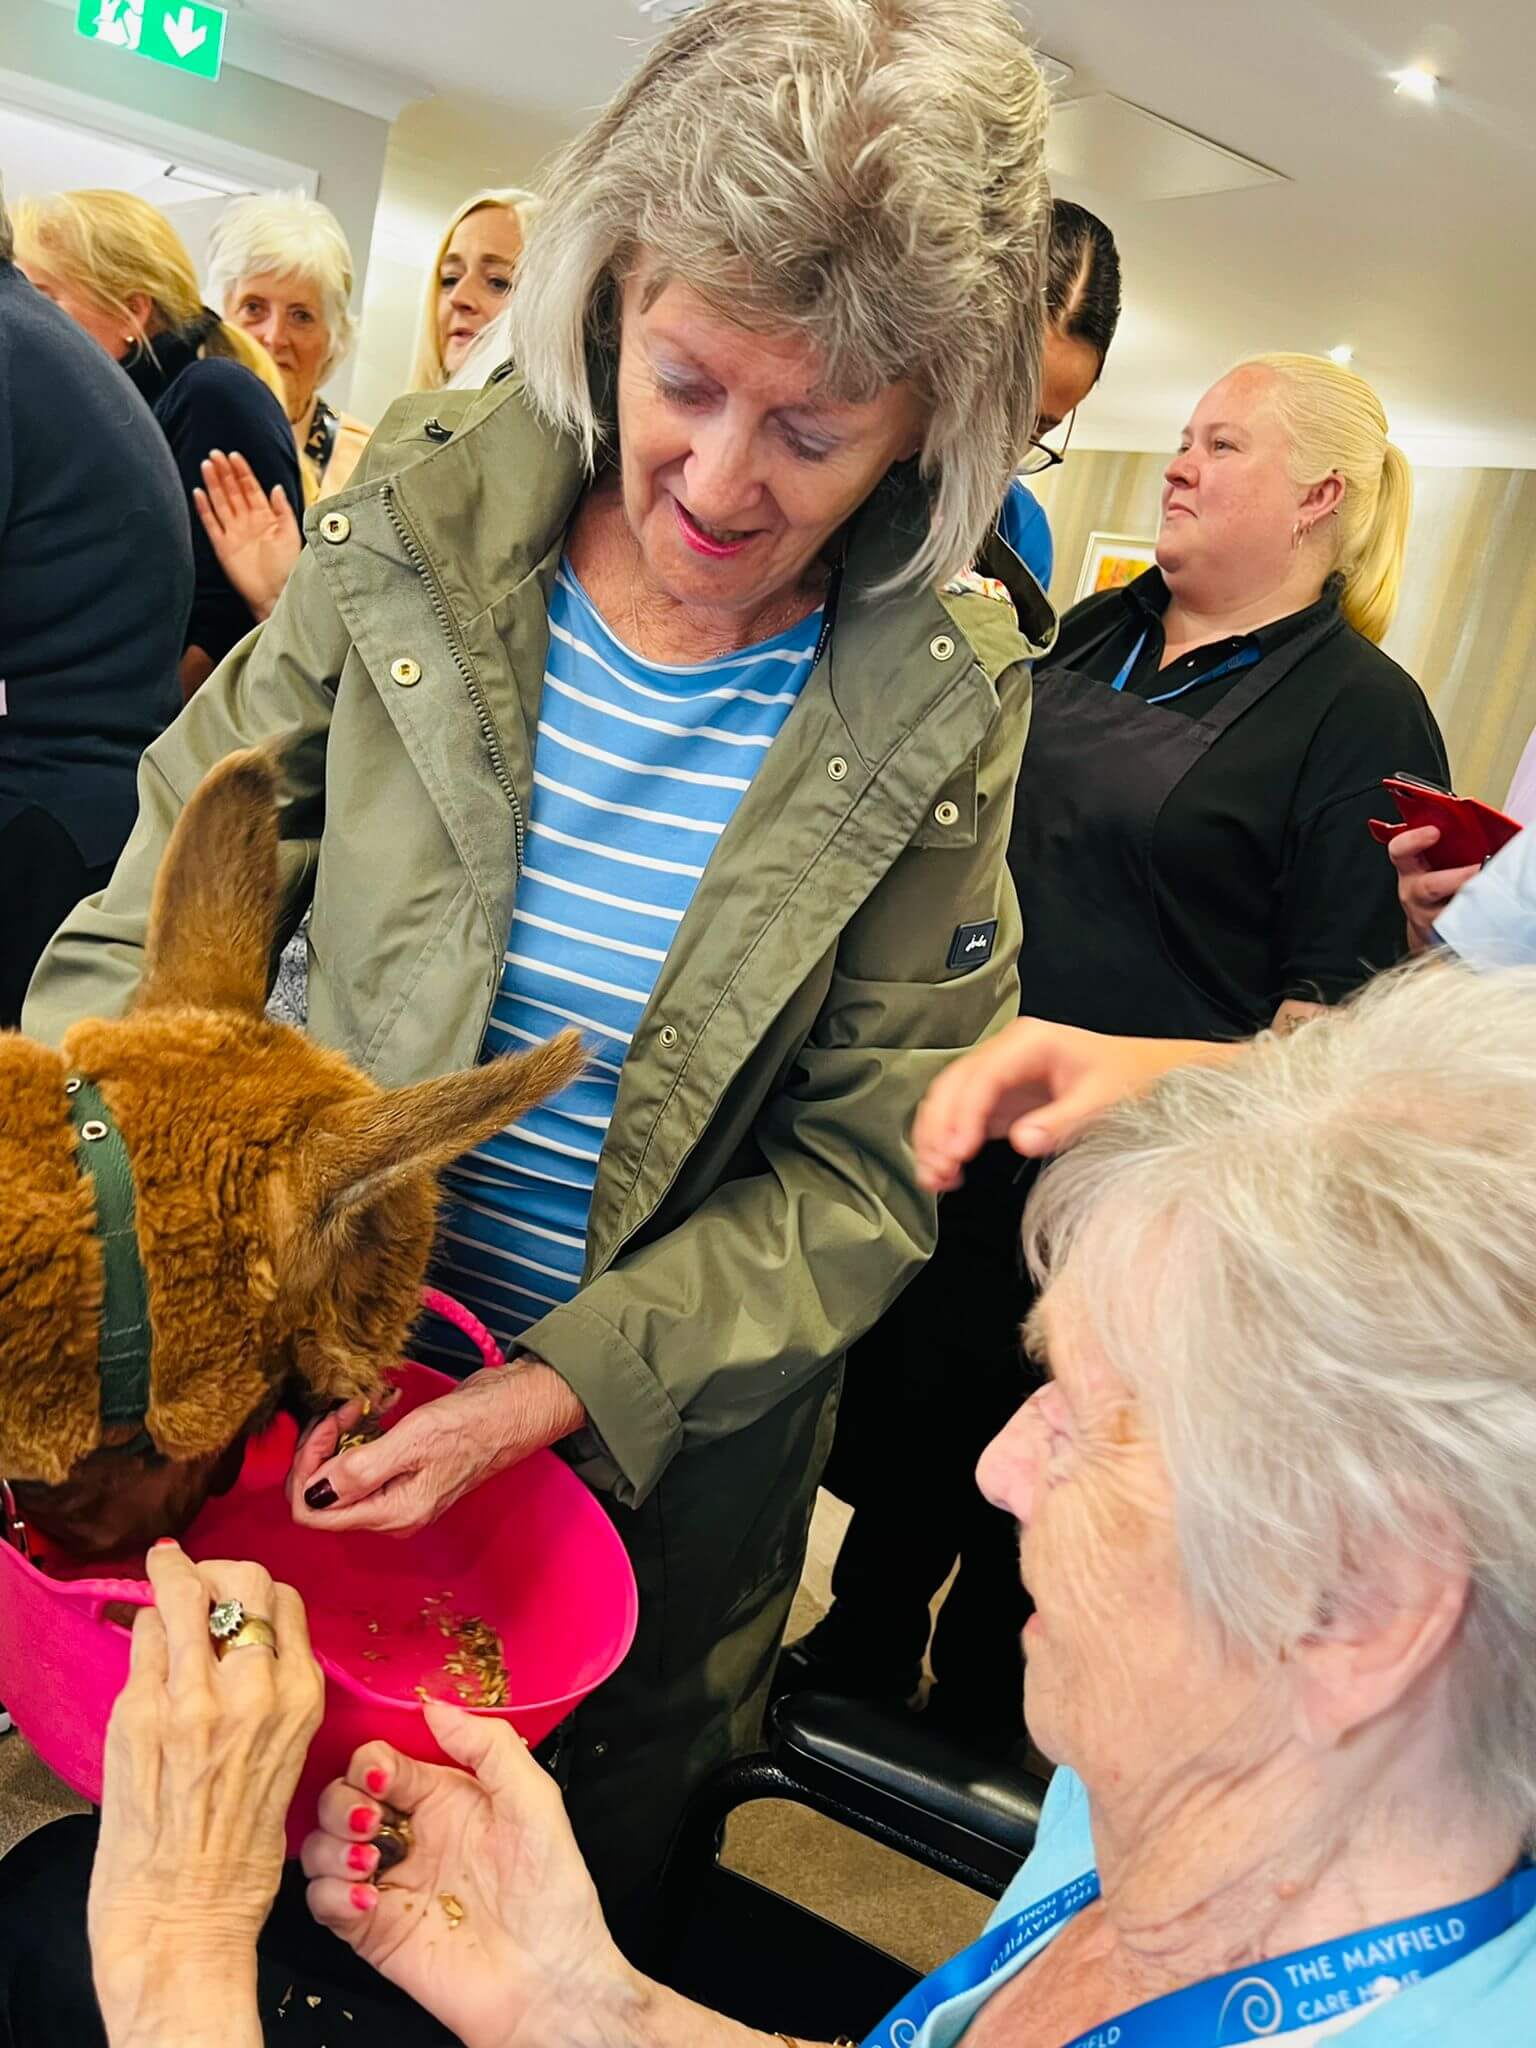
{"x":705,"y":544}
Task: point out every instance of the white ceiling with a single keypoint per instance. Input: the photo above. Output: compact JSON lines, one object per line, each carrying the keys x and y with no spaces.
{"x":1402,"y":230}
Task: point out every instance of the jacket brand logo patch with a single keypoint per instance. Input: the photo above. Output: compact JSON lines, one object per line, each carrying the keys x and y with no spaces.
{"x":972,"y":944}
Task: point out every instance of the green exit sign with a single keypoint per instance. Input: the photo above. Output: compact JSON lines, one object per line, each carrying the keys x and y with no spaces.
{"x":186,"y":34}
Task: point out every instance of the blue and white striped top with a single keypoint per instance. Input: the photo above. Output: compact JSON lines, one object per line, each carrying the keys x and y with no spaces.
{"x":638,"y":766}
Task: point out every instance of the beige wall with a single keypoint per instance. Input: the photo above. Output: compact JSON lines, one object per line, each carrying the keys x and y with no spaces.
{"x":1467,"y":624}
{"x":344,"y":147}
{"x":440,"y":151}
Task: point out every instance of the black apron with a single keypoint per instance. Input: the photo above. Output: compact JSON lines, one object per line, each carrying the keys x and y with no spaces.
{"x":943,"y":1370}
{"x":1099,"y":767}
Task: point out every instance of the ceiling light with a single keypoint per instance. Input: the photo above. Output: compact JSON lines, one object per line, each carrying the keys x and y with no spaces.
{"x":207,"y":181}
{"x":1418,"y":82}
{"x":1343,"y":355}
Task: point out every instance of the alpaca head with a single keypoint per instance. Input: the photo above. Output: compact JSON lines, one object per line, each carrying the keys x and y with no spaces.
{"x":285,"y":1202}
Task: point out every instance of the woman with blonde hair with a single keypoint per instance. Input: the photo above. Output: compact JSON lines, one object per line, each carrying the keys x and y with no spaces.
{"x":123,"y":274}
{"x":280,"y":267}
{"x":470,"y":280}
{"x":1192,"y":860}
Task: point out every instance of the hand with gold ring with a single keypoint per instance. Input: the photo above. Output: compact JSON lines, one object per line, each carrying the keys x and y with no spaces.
{"x":204,"y":1752}
{"x":233,"y":1629}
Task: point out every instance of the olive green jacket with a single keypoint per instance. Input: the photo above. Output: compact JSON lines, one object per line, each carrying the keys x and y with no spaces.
{"x":755,"y":1208}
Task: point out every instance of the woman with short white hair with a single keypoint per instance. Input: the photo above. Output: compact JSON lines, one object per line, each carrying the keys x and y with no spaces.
{"x":1278,"y":1521}
{"x":280,"y":266}
{"x":656,"y":689}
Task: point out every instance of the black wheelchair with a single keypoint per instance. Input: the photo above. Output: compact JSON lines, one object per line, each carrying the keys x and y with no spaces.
{"x":888,"y":1779}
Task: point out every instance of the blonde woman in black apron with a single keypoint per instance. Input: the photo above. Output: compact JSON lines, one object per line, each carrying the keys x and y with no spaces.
{"x":1192,"y":861}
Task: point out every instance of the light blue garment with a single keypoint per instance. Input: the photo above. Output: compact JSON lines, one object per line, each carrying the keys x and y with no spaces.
{"x":1023,"y":524}
{"x":1487,"y":2000}
{"x":1492,"y":921}
{"x":637,"y":770}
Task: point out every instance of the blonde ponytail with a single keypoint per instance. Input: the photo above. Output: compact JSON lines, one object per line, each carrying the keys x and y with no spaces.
{"x":1373,"y":586}
{"x":115,"y":247}
{"x":1336,"y":426}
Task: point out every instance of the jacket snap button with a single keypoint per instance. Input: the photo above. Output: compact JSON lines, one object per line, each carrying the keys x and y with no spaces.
{"x":335,"y":527}
{"x":946,"y":813}
{"x":837,"y":767}
{"x":668,"y":1035}
{"x":941,"y":647}
{"x":405,"y":671}
{"x":93,"y":1130}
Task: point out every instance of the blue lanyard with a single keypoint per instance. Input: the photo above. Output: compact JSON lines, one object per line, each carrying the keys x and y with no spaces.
{"x":1244,"y":658}
{"x":1253,"y":2003}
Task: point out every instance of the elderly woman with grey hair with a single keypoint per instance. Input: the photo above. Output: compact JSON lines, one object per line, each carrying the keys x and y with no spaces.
{"x":1278,"y":1522}
{"x":280,"y":266}
{"x":655,"y":690}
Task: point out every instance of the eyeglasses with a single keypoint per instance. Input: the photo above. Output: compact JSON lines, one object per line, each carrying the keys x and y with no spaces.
{"x":1042,"y":455}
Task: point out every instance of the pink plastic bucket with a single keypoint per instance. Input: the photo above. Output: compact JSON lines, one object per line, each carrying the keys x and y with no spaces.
{"x":531,"y":1552}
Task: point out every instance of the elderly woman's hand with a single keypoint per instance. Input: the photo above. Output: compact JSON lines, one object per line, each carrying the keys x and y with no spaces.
{"x":434,"y":1455}
{"x":202,"y":1761}
{"x":1423,"y":889}
{"x":256,"y":538}
{"x":490,"y":1921}
{"x":1036,"y":1085}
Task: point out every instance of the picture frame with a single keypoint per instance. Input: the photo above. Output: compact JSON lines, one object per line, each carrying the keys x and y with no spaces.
{"x":1112,"y":560}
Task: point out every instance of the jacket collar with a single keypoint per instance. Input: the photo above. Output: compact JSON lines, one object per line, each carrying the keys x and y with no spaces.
{"x":492,"y":504}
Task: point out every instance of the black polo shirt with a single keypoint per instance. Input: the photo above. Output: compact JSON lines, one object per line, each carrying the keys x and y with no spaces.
{"x":1266,"y":881}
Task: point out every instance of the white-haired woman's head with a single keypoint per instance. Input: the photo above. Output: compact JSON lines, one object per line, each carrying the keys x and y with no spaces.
{"x":280,"y":266}
{"x":865,"y":176}
{"x":470,"y":280}
{"x":1303,"y":1285}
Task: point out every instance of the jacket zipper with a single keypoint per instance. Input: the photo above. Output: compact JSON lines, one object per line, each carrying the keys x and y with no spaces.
{"x":461,"y":662}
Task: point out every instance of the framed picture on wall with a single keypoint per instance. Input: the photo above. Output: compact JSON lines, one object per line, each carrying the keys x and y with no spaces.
{"x":1113,"y":559}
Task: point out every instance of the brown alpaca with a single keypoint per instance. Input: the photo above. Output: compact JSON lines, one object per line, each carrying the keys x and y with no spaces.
{"x":285,"y":1202}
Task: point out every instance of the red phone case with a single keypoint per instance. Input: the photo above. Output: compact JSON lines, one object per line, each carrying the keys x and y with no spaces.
{"x":1470,"y":832}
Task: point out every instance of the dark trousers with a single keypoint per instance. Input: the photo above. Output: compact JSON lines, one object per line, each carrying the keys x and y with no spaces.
{"x":46,"y":1999}
{"x":923,"y":1395}
{"x":42,"y":878}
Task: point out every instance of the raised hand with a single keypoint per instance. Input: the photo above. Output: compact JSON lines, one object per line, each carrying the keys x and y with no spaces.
{"x":257,"y":539}
{"x":1036,"y":1085}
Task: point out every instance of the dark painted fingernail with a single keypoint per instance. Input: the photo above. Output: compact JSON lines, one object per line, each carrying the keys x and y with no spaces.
{"x":321,"y":1495}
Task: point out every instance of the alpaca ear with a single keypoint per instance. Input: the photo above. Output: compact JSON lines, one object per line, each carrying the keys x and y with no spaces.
{"x":356,"y":1152}
{"x":214,"y":908}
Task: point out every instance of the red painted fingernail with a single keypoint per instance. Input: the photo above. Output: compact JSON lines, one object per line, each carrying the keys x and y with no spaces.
{"x":364,"y":1898}
{"x":362,"y":1856}
{"x":361,"y":1819}
{"x":377,"y":1781}
{"x":165,"y":1543}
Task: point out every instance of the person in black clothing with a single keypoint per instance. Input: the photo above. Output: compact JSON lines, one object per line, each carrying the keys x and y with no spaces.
{"x":1191,"y":853}
{"x":95,"y":586}
{"x":119,"y":269}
